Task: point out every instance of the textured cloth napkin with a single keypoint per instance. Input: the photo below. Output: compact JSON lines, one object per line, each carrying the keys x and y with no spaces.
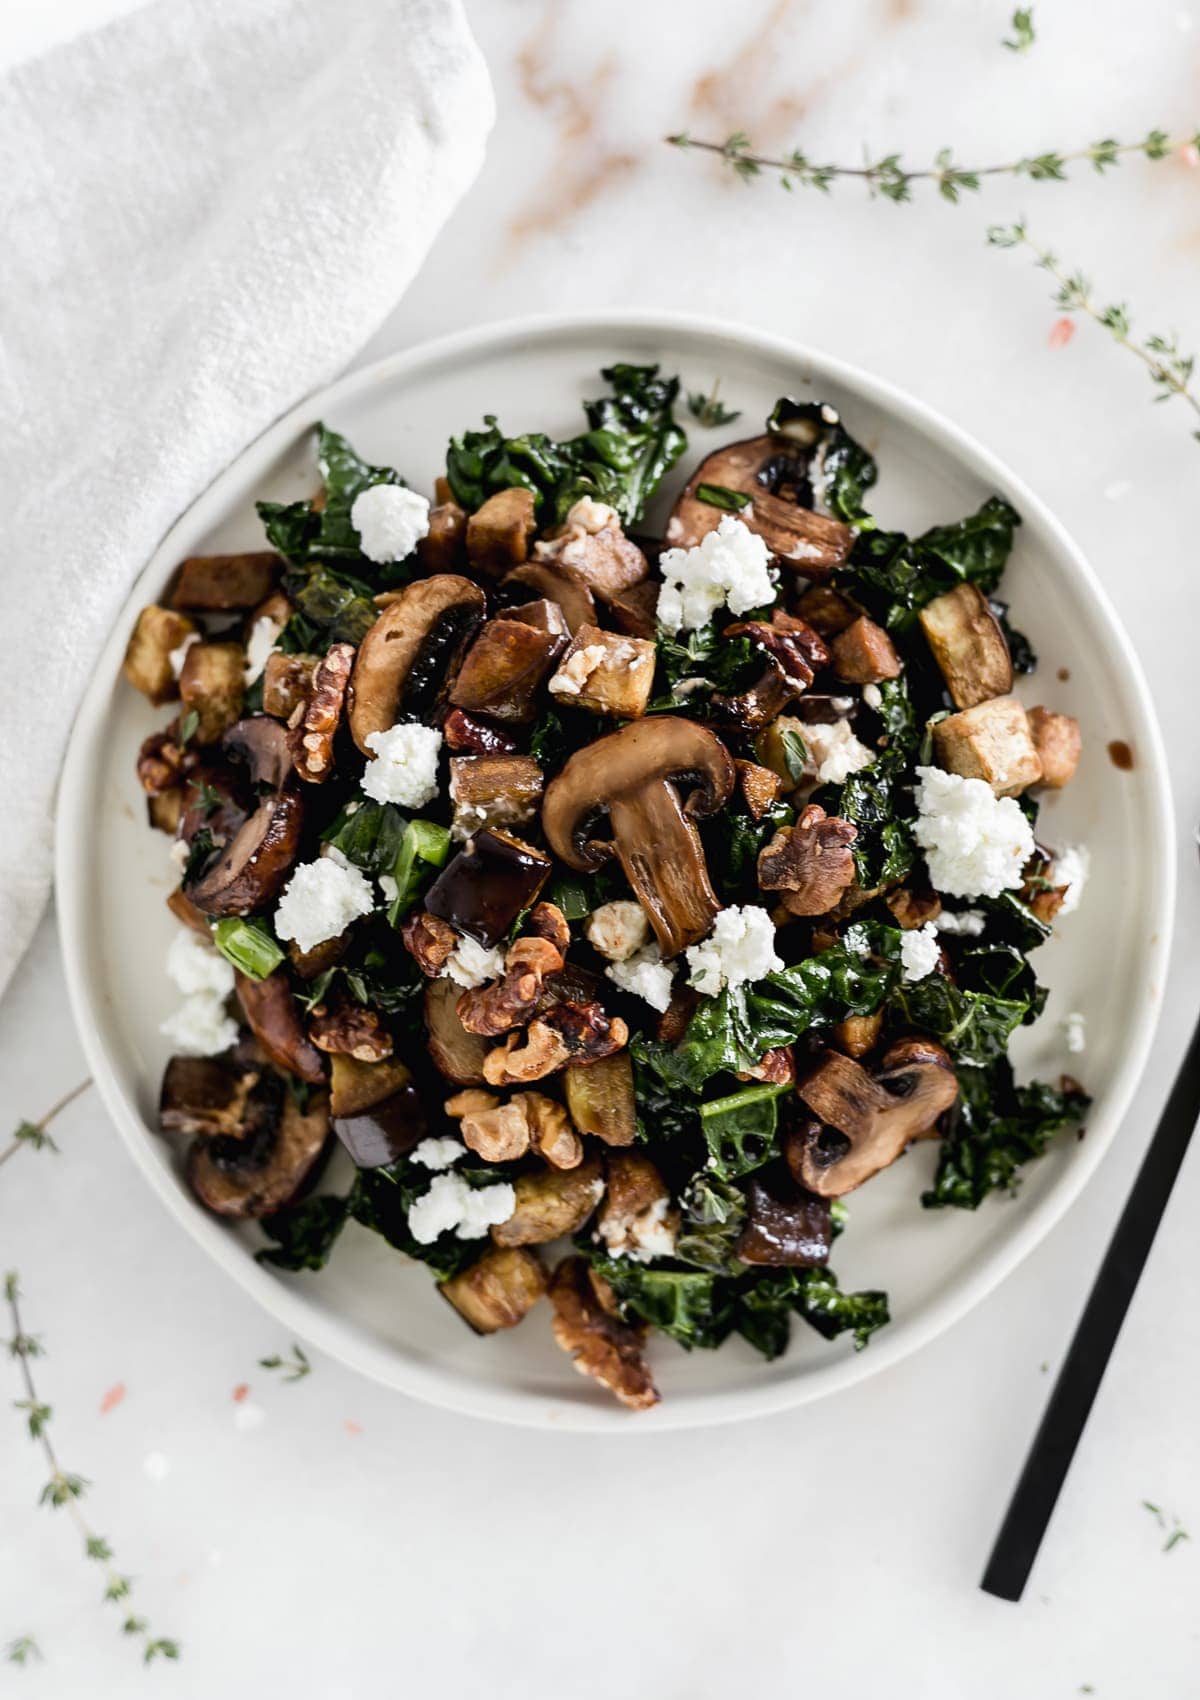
{"x":207,"y":209}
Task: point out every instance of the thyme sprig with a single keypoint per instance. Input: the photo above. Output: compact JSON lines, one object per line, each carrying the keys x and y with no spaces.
{"x":34,"y":1134}
{"x":20,"y":1651}
{"x":1174,"y":1529}
{"x":294,"y":1368}
{"x":890,"y":178}
{"x":64,"y":1489}
{"x":1023,"y":34}
{"x":1171,"y":371}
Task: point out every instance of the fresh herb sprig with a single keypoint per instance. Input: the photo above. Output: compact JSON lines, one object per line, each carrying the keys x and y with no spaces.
{"x":1172,"y":1528}
{"x":35,"y":1135}
{"x":1023,"y":33}
{"x":890,"y":178}
{"x":1171,"y":371}
{"x":64,"y":1489}
{"x":293,"y":1368}
{"x":709,"y":410}
{"x":20,"y":1651}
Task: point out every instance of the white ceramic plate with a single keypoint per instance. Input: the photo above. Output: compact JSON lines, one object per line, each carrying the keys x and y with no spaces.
{"x":370,"y":1308}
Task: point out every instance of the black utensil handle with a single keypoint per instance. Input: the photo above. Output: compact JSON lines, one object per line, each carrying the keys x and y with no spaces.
{"x":1083,"y":1368}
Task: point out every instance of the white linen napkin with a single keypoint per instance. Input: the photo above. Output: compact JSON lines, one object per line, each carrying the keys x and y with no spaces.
{"x":207,"y":209}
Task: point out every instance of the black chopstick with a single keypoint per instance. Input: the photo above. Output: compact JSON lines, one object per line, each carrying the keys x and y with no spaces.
{"x":1083,"y":1369}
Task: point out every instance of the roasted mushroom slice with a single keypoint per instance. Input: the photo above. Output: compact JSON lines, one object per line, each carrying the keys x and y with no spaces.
{"x":377,"y":1112}
{"x":483,"y":889}
{"x":219,"y":584}
{"x":634,"y":775}
{"x":206,"y":1096}
{"x":273,"y":1018}
{"x":552,"y":1203}
{"x":250,"y":872}
{"x":773,"y":471}
{"x":601,"y":1345}
{"x":403,"y":660}
{"x":786,"y":1227}
{"x":262,"y":744}
{"x":458,"y":1054}
{"x":559,"y":584}
{"x":865,"y":1119}
{"x":498,"y":1291}
{"x":261,"y":1172}
{"x":968,"y":645}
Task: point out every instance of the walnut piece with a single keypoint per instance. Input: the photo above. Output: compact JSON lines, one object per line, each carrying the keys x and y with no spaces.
{"x":430,"y":940}
{"x":312,"y":748}
{"x":472,"y":1101}
{"x":510,"y":1001}
{"x":811,"y":863}
{"x":547,"y":921}
{"x":759,"y":786}
{"x":568,"y":1030}
{"x":601,"y":1345}
{"x":913,"y":909}
{"x":777,"y":1067}
{"x":499,"y":1135}
{"x":1057,"y":740}
{"x":163,"y":762}
{"x":551,"y":1132}
{"x":287,"y":683}
{"x":351,"y":1029}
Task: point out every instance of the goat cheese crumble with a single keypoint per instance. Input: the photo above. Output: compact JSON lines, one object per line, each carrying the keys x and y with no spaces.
{"x":576,"y":670}
{"x":728,"y":567}
{"x":471,"y":964}
{"x":834,"y":751}
{"x":451,"y":1204}
{"x":592,"y":516}
{"x":1071,"y":867}
{"x":1075,"y":1029}
{"x":855,"y":938}
{"x":649,"y":1234}
{"x":320,"y":901}
{"x":178,"y":655}
{"x":259,"y":644}
{"x":618,"y":929}
{"x":201,"y":1027}
{"x":919,"y":951}
{"x":975,"y":843}
{"x":873,"y":696}
{"x":404,"y":768}
{"x":741,"y":947}
{"x":195,"y":966}
{"x":438,"y":1153}
{"x":961,"y":923}
{"x":390,"y":520}
{"x":646,"y":976}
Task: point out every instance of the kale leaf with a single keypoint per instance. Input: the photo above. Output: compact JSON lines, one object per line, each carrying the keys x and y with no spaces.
{"x":976,"y":548}
{"x":740,"y":1129}
{"x":876,"y":799}
{"x":369,"y":834}
{"x":306,"y":532}
{"x":305,"y":1233}
{"x":692,"y":1307}
{"x":895,"y":577}
{"x":632,"y":441}
{"x":766,"y":1304}
{"x":845,"y":471}
{"x":999,"y":1127}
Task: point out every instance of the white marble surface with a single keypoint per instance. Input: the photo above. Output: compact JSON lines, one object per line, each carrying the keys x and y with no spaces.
{"x":355,"y":1544}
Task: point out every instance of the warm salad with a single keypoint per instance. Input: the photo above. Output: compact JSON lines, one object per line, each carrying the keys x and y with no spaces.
{"x":620,"y":903}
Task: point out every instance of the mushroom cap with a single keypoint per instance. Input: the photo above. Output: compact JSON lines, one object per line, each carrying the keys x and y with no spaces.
{"x":773,"y":470}
{"x":260,"y":1173}
{"x":660,"y":750}
{"x":262,"y":743}
{"x":273,"y":1016}
{"x":251,"y":870}
{"x":393,"y":645}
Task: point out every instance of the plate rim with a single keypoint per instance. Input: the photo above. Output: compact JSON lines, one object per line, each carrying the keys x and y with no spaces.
{"x":449,"y":1388}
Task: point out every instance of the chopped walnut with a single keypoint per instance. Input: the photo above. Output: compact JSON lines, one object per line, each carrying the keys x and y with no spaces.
{"x":163,"y":762}
{"x":601,"y":1345}
{"x":777,"y":1066}
{"x":673,"y":1022}
{"x":499,"y":1135}
{"x":313,"y":743}
{"x":913,"y":909}
{"x":430,"y":940}
{"x":510,"y":1001}
{"x":1057,"y":740}
{"x":350,"y":1029}
{"x":473,"y":1101}
{"x":1046,"y":904}
{"x":551,"y":1131}
{"x":858,"y":1034}
{"x":287,"y":683}
{"x":547,"y":921}
{"x":759,"y":786}
{"x":568,"y":1030}
{"x":811,"y":863}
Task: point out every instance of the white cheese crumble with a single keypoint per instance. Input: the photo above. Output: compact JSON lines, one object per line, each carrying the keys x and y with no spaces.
{"x":451,"y":1204}
{"x":618,"y":929}
{"x":961,"y":923}
{"x":178,"y":854}
{"x":259,"y":646}
{"x":320,"y":901}
{"x":404,"y":768}
{"x":649,"y":1234}
{"x":975,"y":843}
{"x":576,"y":670}
{"x":471,"y":964}
{"x":834,"y":751}
{"x":919,"y":951}
{"x":873,"y":696}
{"x":201,"y":1028}
{"x":591,"y":515}
{"x":390,"y":521}
{"x":178,"y":655}
{"x":1071,"y":867}
{"x":727,"y":567}
{"x":388,"y":888}
{"x":646,"y":976}
{"x":741,"y":947}
{"x":195,"y":966}
{"x":438,"y":1153}
{"x":1075,"y":1028}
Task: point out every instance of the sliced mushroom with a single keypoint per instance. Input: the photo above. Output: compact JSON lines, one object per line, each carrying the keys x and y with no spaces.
{"x":259,"y":1174}
{"x":262,"y":744}
{"x":250,"y":872}
{"x":219,"y":584}
{"x":183,"y":909}
{"x":483,"y":889}
{"x":634,"y":775}
{"x":773,"y":472}
{"x":968,"y":645}
{"x":377,"y":1111}
{"x":273,"y":1018}
{"x":786,"y":1227}
{"x":601,"y":1345}
{"x":552,"y":1203}
{"x":559,"y":584}
{"x":811,"y":863}
{"x":601,"y":1099}
{"x":635,"y":611}
{"x":206,"y":1096}
{"x":864,"y":1120}
{"x":498,"y":1291}
{"x":403,"y":660}
{"x":457,"y":1053}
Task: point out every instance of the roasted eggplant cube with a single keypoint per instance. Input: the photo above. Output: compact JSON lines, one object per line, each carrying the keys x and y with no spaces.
{"x":600,"y":1098}
{"x":502,"y":671}
{"x":991,"y":741}
{"x":493,"y":791}
{"x":551,"y":1203}
{"x":606,"y":673}
{"x":864,"y":654}
{"x":444,"y":547}
{"x":147,"y":663}
{"x":212,"y":686}
{"x":1057,"y":740}
{"x":499,"y":1291}
{"x":458,"y":1054}
{"x":498,"y":533}
{"x":377,"y":1111}
{"x":483,"y":889}
{"x":968,"y":645}
{"x":218,"y":584}
{"x":786,"y":1227}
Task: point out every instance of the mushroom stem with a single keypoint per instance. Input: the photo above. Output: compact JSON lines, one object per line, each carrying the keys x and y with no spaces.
{"x":660,"y":854}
